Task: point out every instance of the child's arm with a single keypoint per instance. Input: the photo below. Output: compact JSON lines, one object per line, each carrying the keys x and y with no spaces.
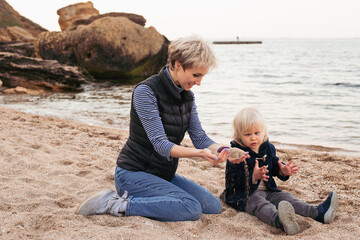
{"x":279,"y":169}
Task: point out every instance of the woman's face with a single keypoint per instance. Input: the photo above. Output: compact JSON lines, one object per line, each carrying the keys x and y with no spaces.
{"x":189,"y":77}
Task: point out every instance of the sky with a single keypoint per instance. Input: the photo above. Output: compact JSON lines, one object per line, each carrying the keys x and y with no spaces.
{"x":220,"y":20}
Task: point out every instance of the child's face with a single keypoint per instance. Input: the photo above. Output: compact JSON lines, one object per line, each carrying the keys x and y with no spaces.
{"x":253,"y":138}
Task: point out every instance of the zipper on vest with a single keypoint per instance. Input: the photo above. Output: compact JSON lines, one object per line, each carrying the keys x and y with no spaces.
{"x":182,"y":121}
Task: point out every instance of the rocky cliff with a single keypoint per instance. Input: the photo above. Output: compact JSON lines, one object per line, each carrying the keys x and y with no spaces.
{"x":11,"y":18}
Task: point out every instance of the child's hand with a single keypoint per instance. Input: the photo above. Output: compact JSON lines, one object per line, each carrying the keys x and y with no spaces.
{"x":260,"y":173}
{"x":237,"y":156}
{"x":288,"y":169}
{"x":236,"y":152}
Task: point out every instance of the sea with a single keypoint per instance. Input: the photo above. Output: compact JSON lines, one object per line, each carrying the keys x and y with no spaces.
{"x":307,"y":89}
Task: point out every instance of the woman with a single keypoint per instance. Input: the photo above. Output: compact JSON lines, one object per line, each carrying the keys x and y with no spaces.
{"x":162,"y":110}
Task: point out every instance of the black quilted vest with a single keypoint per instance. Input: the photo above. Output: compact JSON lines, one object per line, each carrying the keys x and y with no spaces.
{"x":138,"y":153}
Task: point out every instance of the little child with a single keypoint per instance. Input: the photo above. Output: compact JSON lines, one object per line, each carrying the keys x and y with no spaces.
{"x":250,"y":185}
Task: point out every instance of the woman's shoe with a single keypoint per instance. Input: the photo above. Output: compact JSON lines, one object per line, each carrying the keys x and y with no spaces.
{"x":104,"y":202}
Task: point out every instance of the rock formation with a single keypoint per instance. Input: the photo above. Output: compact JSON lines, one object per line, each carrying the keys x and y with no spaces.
{"x":22,"y":48}
{"x":71,"y":13}
{"x":22,"y":90}
{"x":132,"y":17}
{"x":19,"y":34}
{"x":20,"y":70}
{"x":11,"y":18}
{"x":108,"y":46}
{"x":38,"y":74}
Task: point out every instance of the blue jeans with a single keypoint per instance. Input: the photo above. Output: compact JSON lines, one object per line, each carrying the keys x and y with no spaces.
{"x":177,"y":200}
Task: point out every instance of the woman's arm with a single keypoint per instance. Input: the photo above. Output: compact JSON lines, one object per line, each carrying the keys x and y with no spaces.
{"x":146,"y":107}
{"x":145,"y":104}
{"x":181,"y":152}
{"x":201,"y":140}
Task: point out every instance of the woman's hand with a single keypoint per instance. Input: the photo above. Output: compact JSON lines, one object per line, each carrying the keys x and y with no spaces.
{"x":260,"y":173}
{"x":213,"y":159}
{"x":288,"y":169}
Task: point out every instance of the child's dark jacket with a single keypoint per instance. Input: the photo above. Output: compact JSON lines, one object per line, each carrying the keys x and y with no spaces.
{"x":236,"y":193}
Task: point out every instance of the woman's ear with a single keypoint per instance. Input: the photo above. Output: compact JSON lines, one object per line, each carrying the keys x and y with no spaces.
{"x":177,"y":65}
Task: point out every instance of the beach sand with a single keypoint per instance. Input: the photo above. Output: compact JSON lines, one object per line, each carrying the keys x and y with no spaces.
{"x":50,"y":165}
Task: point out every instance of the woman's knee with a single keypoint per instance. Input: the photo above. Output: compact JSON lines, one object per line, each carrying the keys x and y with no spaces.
{"x":212,"y":205}
{"x":194,"y":208}
{"x":192,"y":211}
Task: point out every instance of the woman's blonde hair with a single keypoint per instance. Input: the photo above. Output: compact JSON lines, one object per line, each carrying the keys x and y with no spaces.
{"x":245,"y":120}
{"x":191,"y":52}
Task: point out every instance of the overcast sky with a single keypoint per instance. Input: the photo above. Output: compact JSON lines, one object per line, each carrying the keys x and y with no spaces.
{"x":224,"y":19}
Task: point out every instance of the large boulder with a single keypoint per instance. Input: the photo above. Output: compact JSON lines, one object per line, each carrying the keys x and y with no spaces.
{"x":114,"y":46}
{"x":71,"y":13}
{"x":108,"y":48}
{"x":56,"y":45}
{"x":37,"y":74}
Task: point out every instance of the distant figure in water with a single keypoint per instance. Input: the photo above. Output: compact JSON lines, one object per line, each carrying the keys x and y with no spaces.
{"x":250,"y":185}
{"x":237,"y":38}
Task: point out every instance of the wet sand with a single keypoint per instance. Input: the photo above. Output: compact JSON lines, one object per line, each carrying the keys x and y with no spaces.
{"x":49,"y":165}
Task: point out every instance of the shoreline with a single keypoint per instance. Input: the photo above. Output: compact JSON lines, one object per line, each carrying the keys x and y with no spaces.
{"x":281,"y":144}
{"x":318,"y":148}
{"x":50,"y":165}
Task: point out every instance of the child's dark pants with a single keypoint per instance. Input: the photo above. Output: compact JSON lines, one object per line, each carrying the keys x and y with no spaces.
{"x":263,"y":204}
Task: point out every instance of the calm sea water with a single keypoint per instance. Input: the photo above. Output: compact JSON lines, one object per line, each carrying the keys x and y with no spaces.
{"x":308,"y":91}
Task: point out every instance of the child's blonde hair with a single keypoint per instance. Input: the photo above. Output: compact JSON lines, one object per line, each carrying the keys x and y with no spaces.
{"x":245,"y":120}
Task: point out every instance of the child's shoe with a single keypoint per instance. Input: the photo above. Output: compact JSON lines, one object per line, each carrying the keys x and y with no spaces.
{"x":287,"y":218}
{"x":328,"y":208}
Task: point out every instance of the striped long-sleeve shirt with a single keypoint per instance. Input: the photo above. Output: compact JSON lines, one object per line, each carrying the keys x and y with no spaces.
{"x":146,"y":106}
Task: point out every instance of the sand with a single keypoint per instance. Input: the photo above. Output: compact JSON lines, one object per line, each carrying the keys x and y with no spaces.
{"x":49,"y":165}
